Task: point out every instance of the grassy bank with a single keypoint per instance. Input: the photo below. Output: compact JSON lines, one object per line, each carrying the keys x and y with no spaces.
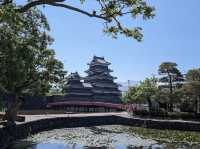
{"x":166,"y":135}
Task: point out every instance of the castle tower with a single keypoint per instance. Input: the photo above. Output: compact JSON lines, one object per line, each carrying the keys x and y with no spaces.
{"x":104,"y":88}
{"x":75,"y":89}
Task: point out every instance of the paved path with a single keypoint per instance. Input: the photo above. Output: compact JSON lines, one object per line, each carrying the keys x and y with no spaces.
{"x":29,"y":118}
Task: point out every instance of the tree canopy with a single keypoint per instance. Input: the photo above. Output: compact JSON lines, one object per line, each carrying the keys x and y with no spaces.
{"x":170,"y":74}
{"x":142,"y":93}
{"x":193,"y":82}
{"x":26,"y":62}
{"x":27,"y":65}
{"x":111,"y":12}
{"x":193,"y":75}
{"x":191,"y":88}
{"x":172,"y":78}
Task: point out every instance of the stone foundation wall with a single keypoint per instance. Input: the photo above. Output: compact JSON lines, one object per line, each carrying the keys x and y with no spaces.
{"x":21,"y":131}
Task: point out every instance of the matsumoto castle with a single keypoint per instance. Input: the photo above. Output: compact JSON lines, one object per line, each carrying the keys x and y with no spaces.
{"x":98,"y":85}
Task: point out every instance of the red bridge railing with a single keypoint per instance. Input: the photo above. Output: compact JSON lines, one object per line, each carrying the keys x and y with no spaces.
{"x":88,"y":104}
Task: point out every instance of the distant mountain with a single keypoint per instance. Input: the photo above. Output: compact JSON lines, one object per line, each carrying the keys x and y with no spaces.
{"x":124,"y":85}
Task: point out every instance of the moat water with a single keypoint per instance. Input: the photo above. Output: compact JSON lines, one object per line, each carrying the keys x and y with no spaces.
{"x":100,"y":137}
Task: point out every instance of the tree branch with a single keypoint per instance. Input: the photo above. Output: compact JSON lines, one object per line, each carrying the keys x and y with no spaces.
{"x":5,"y":2}
{"x":36,"y":3}
{"x":57,"y":4}
{"x":79,"y":10}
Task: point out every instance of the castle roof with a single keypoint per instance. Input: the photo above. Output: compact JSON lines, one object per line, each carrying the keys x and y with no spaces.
{"x":91,"y":71}
{"x":79,"y":93}
{"x":87,"y":85}
{"x":106,"y":92}
{"x":99,"y":61}
{"x":103,"y":85}
{"x":74,"y":76}
{"x":88,"y":78}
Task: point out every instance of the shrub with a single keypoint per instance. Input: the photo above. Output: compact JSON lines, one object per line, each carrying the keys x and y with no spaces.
{"x":142,"y":112}
{"x":162,"y":113}
{"x":187,"y":115}
{"x":159,"y":113}
{"x":174,"y":115}
{"x":182,"y":115}
{"x":187,"y":107}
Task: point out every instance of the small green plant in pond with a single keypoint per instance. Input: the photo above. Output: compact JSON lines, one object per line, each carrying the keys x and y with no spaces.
{"x":166,"y":135}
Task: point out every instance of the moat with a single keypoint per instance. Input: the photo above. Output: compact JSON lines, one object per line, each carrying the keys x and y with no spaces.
{"x":98,"y":137}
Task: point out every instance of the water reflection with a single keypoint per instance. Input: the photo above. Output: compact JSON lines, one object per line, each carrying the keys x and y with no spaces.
{"x":76,"y":146}
{"x":102,"y":137}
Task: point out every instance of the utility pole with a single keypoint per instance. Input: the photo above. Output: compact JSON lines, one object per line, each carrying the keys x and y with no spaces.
{"x":128,"y":83}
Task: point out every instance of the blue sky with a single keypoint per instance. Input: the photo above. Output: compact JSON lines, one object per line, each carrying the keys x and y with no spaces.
{"x":173,"y":35}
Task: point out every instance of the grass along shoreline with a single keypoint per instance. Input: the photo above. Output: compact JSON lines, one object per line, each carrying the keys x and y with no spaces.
{"x":170,"y":136}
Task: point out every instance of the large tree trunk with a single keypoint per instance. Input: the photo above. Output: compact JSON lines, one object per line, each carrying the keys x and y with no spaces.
{"x":171,"y":93}
{"x":170,"y":84}
{"x":150,"y":104}
{"x":171,"y":106}
{"x":12,"y":110}
{"x":197,"y":104}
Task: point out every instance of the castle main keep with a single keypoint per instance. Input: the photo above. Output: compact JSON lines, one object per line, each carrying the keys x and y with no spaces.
{"x":98,"y":85}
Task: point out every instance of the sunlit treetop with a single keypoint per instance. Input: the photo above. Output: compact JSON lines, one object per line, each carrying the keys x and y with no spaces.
{"x":111,"y":12}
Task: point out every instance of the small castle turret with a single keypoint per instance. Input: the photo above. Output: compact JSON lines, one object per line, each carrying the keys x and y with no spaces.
{"x":76,"y":89}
